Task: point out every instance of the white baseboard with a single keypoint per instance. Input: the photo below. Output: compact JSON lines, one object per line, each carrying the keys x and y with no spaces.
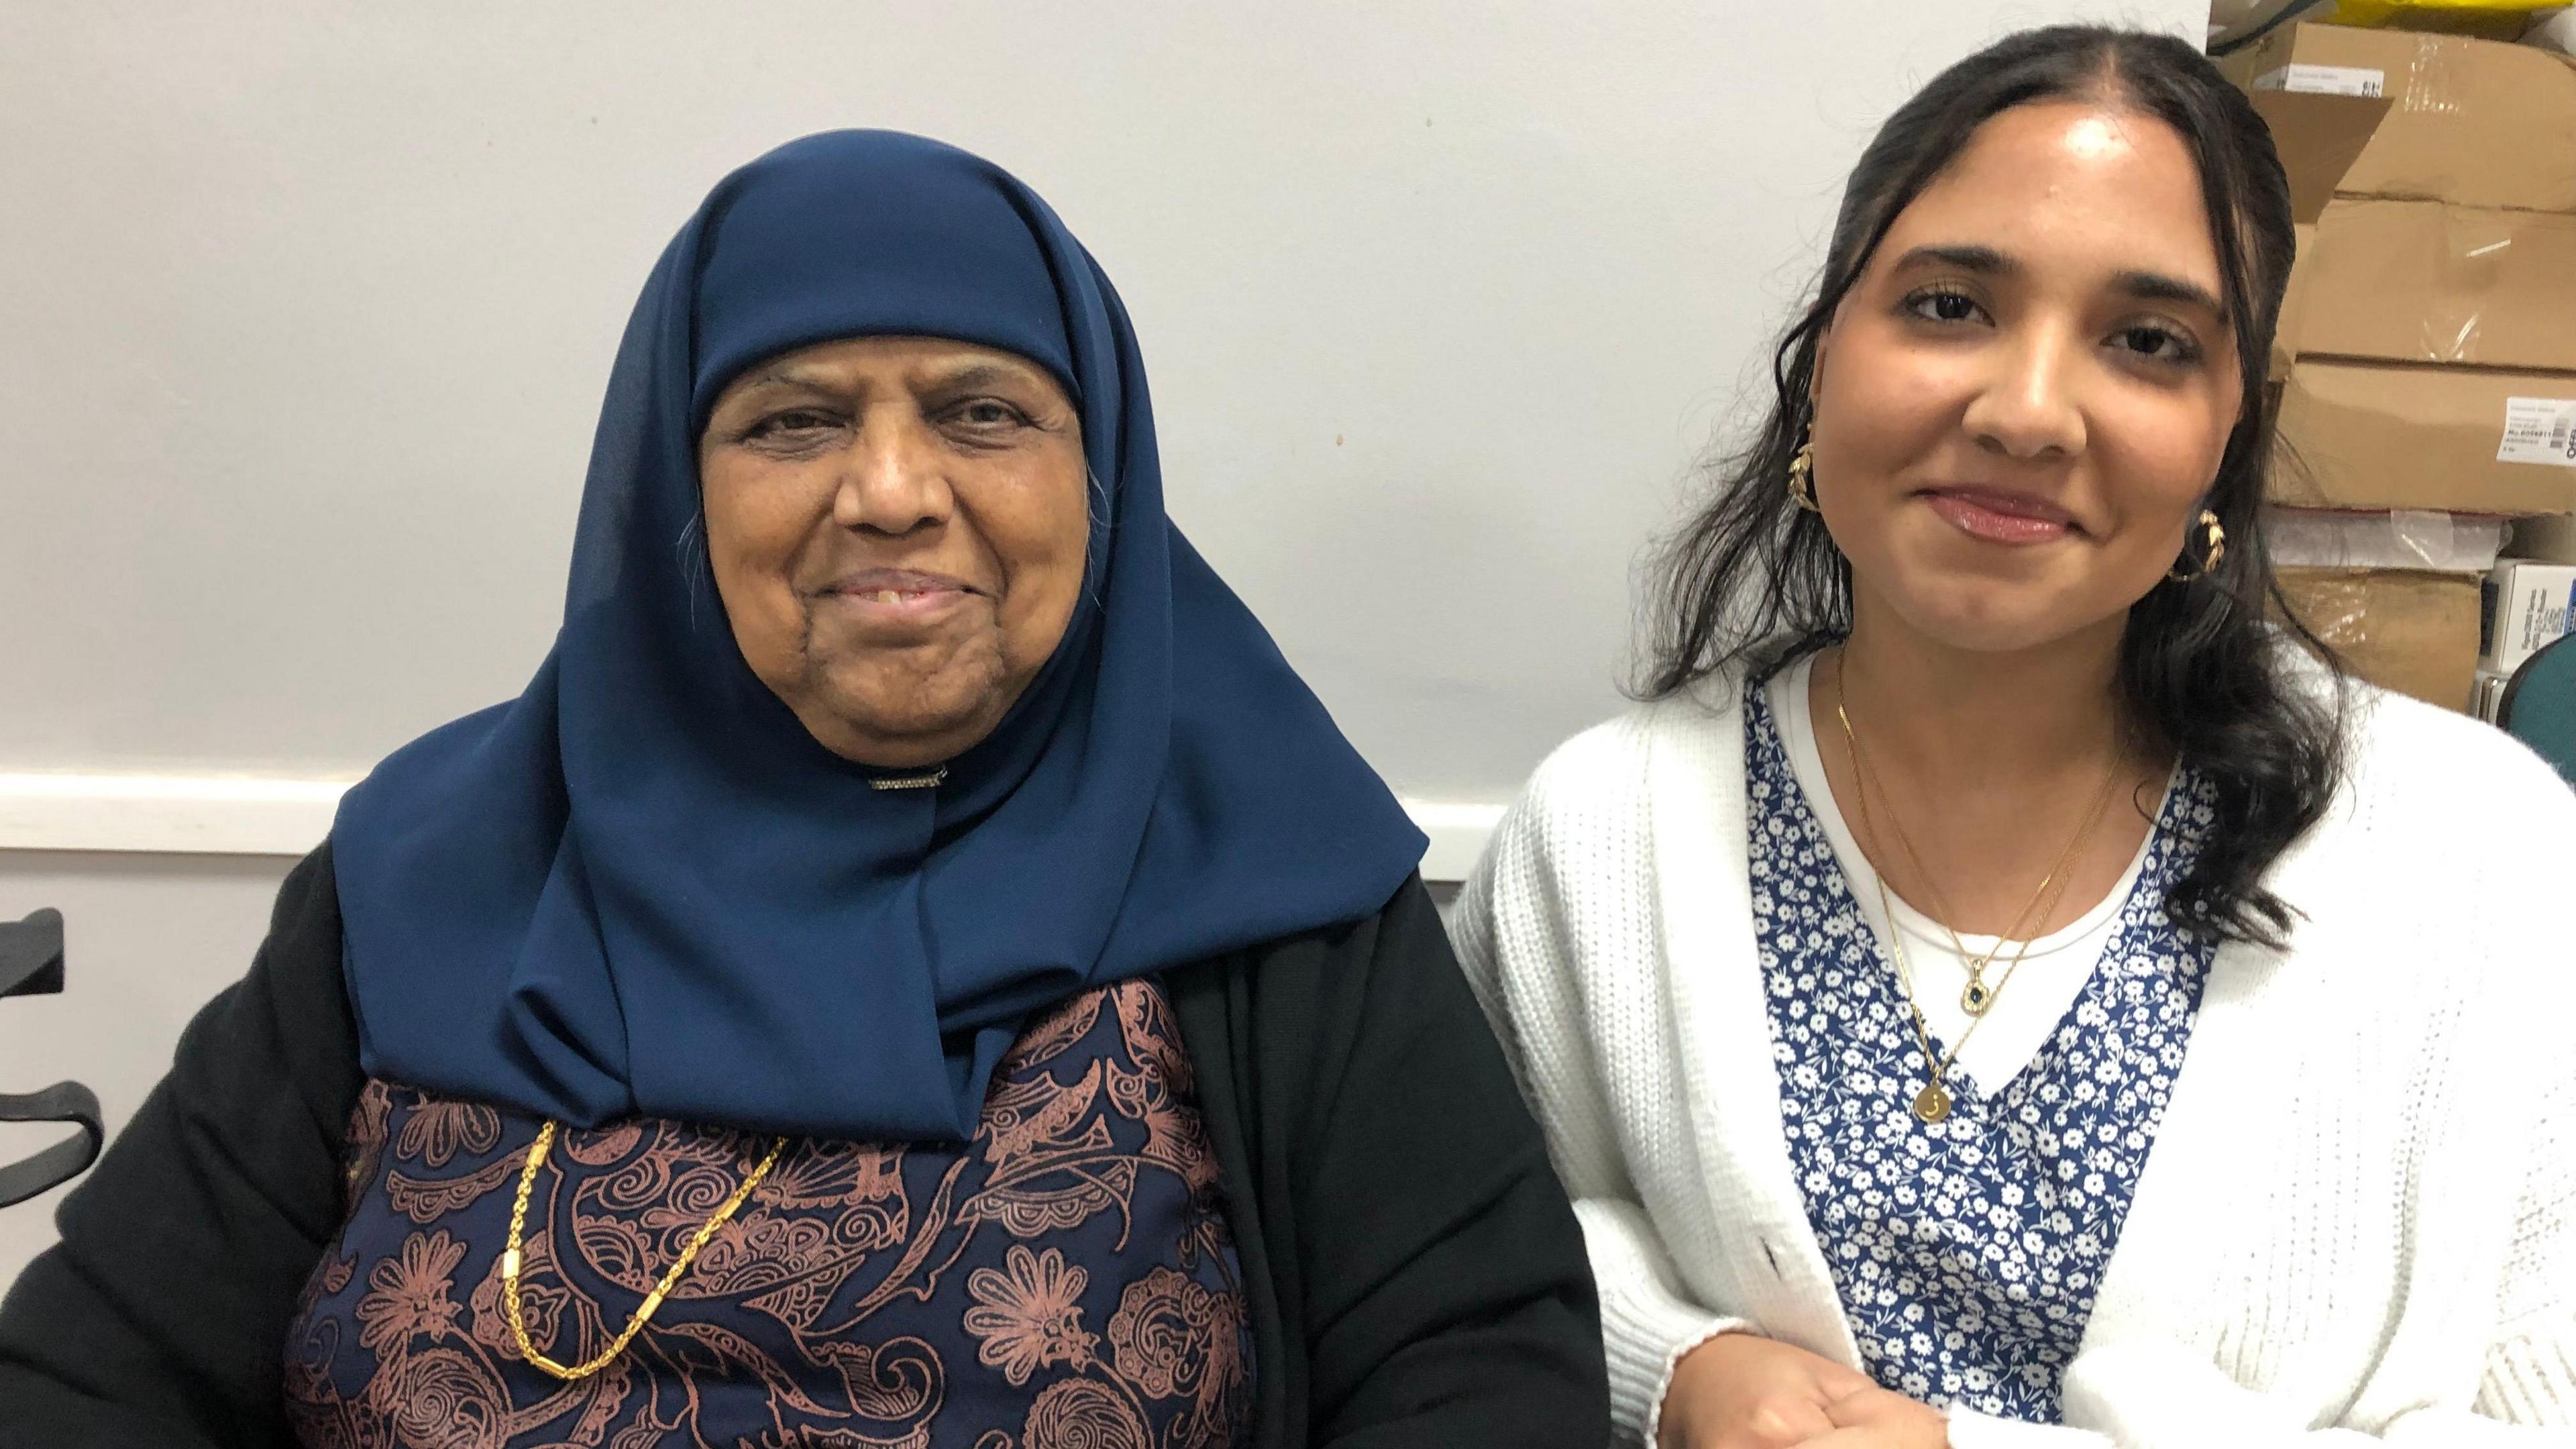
{"x":1457,"y":835}
{"x":166,"y":814}
{"x":253,"y":815}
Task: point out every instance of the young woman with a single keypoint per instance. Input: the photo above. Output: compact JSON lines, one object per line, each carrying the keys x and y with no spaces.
{"x":2002,"y":990}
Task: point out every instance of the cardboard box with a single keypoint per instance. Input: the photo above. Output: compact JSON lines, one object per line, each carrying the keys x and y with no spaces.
{"x":2550,"y":540}
{"x":2318,"y":138}
{"x":2426,"y":352}
{"x":2525,"y":607}
{"x":2397,"y":435}
{"x":2422,"y":281}
{"x":2474,"y":122}
{"x":2415,"y":633}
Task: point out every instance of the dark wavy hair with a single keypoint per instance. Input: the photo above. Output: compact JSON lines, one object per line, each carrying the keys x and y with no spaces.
{"x":1752,"y":580}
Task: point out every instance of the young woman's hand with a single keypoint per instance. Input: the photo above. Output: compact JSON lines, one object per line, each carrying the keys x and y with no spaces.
{"x":1876,"y":1418}
{"x":1744,"y":1391}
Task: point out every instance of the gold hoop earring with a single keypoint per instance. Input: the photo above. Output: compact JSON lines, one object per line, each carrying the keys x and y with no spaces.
{"x":1802,"y":477}
{"x":2215,"y":550}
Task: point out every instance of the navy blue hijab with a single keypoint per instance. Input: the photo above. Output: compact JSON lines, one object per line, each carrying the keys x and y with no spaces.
{"x":642,"y":887}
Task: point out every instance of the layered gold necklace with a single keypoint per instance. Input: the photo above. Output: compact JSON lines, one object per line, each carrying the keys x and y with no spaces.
{"x":1933,"y":1102}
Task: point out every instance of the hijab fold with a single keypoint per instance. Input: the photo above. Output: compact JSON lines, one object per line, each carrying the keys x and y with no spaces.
{"x":642,"y":888}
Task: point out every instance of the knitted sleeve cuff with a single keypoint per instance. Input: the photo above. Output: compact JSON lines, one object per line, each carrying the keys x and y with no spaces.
{"x":1703,"y":1328}
{"x":1647,"y":1325}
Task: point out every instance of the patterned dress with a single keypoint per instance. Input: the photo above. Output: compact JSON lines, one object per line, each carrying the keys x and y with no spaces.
{"x":1063,"y":1281}
{"x":1967,"y":1252}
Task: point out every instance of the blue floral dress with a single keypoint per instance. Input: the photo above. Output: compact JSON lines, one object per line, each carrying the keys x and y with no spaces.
{"x":1967,"y":1252}
{"x":1063,"y":1281}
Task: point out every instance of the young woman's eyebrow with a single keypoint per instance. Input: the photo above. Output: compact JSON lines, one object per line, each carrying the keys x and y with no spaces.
{"x":2157,"y":287}
{"x":1983,"y":260}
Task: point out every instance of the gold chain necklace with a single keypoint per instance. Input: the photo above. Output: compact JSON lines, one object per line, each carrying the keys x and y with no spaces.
{"x":1932,"y":1104}
{"x":653,"y":1300}
{"x":1976,"y":996}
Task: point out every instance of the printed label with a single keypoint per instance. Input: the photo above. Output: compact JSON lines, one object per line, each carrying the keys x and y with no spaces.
{"x":2325,"y":80}
{"x":2539,"y":430}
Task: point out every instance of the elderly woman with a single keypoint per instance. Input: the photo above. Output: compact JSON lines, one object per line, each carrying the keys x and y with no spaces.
{"x":2001,"y":991}
{"x":915,"y":967}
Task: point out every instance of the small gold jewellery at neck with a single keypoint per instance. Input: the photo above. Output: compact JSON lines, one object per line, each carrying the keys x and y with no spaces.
{"x":1932,"y":1104}
{"x":510,"y":1260}
{"x":1977,"y":995}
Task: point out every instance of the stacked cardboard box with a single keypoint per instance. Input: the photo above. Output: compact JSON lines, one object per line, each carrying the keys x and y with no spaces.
{"x":2426,"y":358}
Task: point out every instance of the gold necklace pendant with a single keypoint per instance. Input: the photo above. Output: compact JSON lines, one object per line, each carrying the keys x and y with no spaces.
{"x":1932,"y":1104}
{"x":1976,"y":997}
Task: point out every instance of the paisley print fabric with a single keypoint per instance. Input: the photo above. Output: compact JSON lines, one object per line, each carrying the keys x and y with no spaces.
{"x":1967,"y":1252}
{"x":1063,"y":1281}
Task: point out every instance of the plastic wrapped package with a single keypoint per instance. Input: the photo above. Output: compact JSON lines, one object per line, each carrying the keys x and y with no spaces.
{"x":2401,"y":539}
{"x":2410,"y":631}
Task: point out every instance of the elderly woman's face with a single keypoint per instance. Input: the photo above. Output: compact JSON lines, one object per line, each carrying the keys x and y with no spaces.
{"x":898,"y":527}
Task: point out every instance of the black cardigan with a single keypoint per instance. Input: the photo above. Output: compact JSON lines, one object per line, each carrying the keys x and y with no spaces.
{"x":1414,"y":1274}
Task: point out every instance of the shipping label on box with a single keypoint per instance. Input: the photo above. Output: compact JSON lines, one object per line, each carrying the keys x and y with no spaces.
{"x":2539,"y":430}
{"x":2325,"y":80}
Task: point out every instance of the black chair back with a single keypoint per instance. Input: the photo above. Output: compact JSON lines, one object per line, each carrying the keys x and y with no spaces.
{"x":31,"y":964}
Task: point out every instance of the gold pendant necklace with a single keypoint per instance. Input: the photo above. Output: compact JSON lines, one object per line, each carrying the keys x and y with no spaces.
{"x":1933,"y":1103}
{"x":634,"y":1325}
{"x":1976,"y":996}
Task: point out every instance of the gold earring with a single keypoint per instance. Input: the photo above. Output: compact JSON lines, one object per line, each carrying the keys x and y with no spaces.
{"x":1802,"y":477}
{"x":2216,"y":550}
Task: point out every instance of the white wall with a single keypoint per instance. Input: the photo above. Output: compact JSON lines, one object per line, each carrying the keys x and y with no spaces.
{"x":308,"y":307}
{"x":305,"y":308}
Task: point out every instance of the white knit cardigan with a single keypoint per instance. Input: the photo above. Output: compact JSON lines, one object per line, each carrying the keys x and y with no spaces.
{"x":2358,"y":1223}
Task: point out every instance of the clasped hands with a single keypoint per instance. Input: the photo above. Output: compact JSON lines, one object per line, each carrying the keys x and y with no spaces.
{"x":1743,"y":1391}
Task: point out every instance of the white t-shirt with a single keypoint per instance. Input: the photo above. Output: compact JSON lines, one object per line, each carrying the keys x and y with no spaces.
{"x":2042,"y":990}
